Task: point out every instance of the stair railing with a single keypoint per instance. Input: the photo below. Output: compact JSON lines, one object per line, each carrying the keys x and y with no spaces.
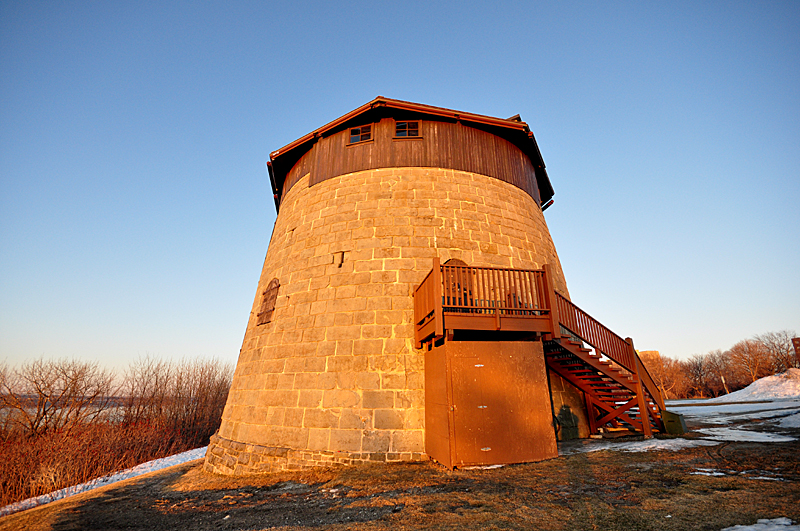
{"x":593,"y":332}
{"x":606,"y":342}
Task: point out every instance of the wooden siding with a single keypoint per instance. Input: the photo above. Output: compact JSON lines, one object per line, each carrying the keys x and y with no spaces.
{"x":441,"y":145}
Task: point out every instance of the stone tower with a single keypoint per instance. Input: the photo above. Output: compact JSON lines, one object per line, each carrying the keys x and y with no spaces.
{"x":329,"y":371}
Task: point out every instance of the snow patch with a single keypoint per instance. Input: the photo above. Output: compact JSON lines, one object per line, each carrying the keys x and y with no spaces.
{"x":707,"y":472}
{"x":784,"y":385}
{"x":792,"y":421}
{"x":138,"y":470}
{"x":727,"y":413}
{"x":648,"y":445}
{"x":732,"y":434}
{"x":764,"y":524}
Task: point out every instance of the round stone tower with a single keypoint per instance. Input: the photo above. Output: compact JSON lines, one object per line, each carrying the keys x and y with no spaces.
{"x":329,"y":371}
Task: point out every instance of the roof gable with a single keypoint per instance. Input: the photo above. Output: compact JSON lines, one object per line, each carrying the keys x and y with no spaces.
{"x":512,"y":129}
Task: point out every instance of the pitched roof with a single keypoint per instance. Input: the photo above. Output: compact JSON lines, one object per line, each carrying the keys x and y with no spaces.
{"x":513,"y":129}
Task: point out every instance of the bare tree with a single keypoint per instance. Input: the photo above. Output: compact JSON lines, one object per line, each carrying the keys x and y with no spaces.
{"x":668,"y":374}
{"x":697,"y":372}
{"x":751,"y":359}
{"x":146,"y":389}
{"x":184,"y":399}
{"x":721,"y":377}
{"x":780,"y":349}
{"x":47,"y":395}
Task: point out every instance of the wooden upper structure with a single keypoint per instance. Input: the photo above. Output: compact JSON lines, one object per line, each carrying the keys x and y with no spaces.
{"x":502,"y":148}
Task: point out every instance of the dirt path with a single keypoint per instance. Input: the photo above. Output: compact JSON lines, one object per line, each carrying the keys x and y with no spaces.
{"x":598,"y":490}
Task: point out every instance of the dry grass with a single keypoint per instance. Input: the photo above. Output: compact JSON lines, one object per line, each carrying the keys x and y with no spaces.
{"x":601,"y":490}
{"x":32,"y":466}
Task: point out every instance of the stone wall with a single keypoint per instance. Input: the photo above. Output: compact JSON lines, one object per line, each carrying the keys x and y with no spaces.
{"x":569,"y":407}
{"x":335,"y":374}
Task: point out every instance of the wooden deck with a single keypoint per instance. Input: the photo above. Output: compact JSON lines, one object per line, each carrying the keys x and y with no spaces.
{"x":481,"y":298}
{"x":618,"y":389}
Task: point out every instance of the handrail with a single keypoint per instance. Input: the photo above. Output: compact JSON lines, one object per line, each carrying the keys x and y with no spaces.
{"x":428,"y":304}
{"x":423,"y":301}
{"x":606,"y":342}
{"x":593,"y":332}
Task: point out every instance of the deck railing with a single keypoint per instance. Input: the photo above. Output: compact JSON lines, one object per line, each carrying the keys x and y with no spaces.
{"x":490,"y":290}
{"x":511,"y":299}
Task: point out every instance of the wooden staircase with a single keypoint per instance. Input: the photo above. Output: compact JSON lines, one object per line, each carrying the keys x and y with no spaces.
{"x":619,"y":391}
{"x":611,"y":392}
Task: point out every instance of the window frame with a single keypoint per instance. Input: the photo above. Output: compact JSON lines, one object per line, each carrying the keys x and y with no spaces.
{"x":418,"y":136}
{"x":360,"y":141}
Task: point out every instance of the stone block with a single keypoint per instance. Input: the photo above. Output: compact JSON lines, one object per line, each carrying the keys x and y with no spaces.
{"x":368,"y":265}
{"x":410,"y":399}
{"x":310,"y":398}
{"x":369,"y":290}
{"x":348,"y":305}
{"x":318,"y":307}
{"x":375,"y":441}
{"x":388,"y":419}
{"x":383,"y":277}
{"x":393,"y":380}
{"x":346,"y":440}
{"x":289,"y":437}
{"x":293,"y":417}
{"x":346,"y":332}
{"x":342,"y":319}
{"x":378,"y":303}
{"x":284,"y":398}
{"x":407,"y":441}
{"x":327,"y":380}
{"x":318,"y":439}
{"x":275,"y":415}
{"x":286,"y":381}
{"x":314,"y":364}
{"x":377,"y":399}
{"x":345,"y":380}
{"x":389,"y":317}
{"x":340,"y":398}
{"x":352,"y":419}
{"x":368,"y":380}
{"x":320,"y":418}
{"x":375,"y":331}
{"x":365,"y":317}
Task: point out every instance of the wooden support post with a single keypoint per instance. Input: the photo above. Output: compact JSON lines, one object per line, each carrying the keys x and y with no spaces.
{"x":640,"y":390}
{"x":590,"y":414}
{"x":552,"y":305}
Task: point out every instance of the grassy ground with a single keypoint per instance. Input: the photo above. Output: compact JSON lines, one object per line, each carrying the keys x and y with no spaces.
{"x":599,"y":490}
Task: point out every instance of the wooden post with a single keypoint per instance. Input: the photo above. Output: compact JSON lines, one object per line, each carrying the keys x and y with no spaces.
{"x":644,"y":415}
{"x":590,"y":414}
{"x":550,"y":297}
{"x":438,"y":314}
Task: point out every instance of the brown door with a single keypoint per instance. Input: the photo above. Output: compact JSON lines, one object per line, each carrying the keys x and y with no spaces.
{"x":501,"y":403}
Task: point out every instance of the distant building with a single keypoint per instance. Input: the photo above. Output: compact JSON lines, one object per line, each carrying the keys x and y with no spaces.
{"x":412,"y":304}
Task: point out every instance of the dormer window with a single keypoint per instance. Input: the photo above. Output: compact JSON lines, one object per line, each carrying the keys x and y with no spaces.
{"x":406,"y":129}
{"x":360,"y":134}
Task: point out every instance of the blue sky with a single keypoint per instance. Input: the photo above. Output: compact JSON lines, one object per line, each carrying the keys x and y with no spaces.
{"x":135,"y":208}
